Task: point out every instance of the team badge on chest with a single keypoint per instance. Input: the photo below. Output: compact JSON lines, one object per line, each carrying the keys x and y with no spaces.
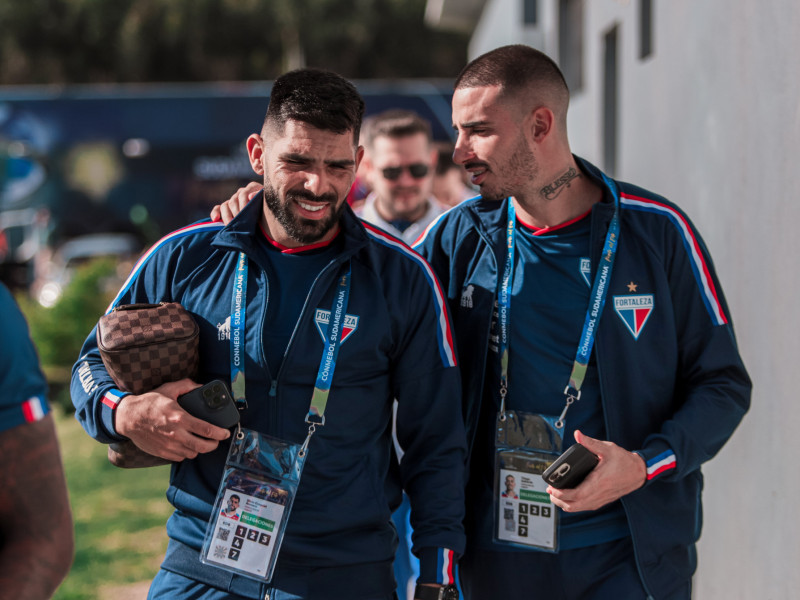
{"x":586,"y":270}
{"x":634,"y":311}
{"x":323,"y":317}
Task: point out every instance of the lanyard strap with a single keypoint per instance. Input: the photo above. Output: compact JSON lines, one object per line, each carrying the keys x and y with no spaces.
{"x":597,"y":302}
{"x":327,"y":365}
{"x":238,"y":311}
{"x":598,"y":296}
{"x":504,"y":301}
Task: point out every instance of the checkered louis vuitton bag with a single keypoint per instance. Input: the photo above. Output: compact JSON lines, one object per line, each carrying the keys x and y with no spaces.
{"x":143,"y":346}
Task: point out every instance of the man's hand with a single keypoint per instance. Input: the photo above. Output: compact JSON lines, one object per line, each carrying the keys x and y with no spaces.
{"x":232,"y":206}
{"x":618,"y":473}
{"x":158,"y":425}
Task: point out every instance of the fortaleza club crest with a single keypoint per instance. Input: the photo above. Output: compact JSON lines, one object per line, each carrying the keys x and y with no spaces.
{"x":634,"y":311}
{"x":586,"y":270}
{"x":323,"y":317}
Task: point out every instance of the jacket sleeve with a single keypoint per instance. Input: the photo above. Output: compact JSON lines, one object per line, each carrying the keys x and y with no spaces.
{"x":430,"y":429}
{"x":23,"y":388}
{"x":93,"y":391}
{"x":713,"y":387}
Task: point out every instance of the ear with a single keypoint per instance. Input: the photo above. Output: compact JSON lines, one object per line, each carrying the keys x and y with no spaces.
{"x":255,"y":152}
{"x":359,"y":157}
{"x":541,"y":123}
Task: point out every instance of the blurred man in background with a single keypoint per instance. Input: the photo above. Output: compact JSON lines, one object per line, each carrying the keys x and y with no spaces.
{"x":399,"y":164}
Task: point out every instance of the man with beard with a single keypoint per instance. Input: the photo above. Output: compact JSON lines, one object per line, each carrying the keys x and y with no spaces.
{"x":306,"y":294}
{"x":651,"y":381}
{"x":399,"y":165}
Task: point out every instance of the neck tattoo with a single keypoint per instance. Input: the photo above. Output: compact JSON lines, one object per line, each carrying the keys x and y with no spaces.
{"x":552,"y":191}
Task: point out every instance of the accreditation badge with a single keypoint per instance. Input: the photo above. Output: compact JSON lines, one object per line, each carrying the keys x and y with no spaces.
{"x":525,"y":445}
{"x":253,"y":503}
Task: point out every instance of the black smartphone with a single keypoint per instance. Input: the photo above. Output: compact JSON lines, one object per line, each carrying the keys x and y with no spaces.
{"x":211,"y":402}
{"x":571,"y":467}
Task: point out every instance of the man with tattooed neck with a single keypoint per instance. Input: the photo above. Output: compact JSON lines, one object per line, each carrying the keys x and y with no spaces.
{"x":589,"y":308}
{"x":584,"y":309}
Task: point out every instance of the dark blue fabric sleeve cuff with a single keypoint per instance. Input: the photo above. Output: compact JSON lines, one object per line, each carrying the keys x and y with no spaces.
{"x":31,"y":410}
{"x":437,"y":565}
{"x":110,"y":401}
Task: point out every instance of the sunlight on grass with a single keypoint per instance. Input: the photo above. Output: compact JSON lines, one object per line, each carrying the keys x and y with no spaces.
{"x":119,"y":514}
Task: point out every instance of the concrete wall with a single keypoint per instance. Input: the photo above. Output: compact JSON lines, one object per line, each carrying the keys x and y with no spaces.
{"x":712,"y":120}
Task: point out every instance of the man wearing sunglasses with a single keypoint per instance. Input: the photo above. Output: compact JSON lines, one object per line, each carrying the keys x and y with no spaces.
{"x":399,"y":164}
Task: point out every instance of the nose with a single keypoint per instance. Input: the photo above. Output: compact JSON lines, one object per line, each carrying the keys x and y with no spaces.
{"x":462,"y":150}
{"x":315,"y":182}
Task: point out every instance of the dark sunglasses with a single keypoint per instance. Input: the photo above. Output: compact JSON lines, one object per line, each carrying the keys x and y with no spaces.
{"x":417,"y":170}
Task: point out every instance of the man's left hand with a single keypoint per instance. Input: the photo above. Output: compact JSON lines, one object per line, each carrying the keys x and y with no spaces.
{"x":226,"y":211}
{"x":618,"y":473}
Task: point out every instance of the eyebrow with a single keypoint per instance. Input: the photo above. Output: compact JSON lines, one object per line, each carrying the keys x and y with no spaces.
{"x":347,"y":162}
{"x":471,"y":124}
{"x":344,"y":162}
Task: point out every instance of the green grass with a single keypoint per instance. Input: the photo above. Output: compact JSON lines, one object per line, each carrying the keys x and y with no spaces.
{"x":119,"y":515}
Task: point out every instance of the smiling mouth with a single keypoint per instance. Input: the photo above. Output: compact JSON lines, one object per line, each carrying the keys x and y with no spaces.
{"x":311,"y":207}
{"x":476,"y":171}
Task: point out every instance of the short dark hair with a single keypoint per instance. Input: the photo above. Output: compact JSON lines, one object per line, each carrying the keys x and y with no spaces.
{"x":395,"y":123}
{"x":516,"y":68}
{"x":320,"y":98}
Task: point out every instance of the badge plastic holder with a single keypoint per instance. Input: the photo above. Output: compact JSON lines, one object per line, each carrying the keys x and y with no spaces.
{"x":524,"y":516}
{"x":253,"y":503}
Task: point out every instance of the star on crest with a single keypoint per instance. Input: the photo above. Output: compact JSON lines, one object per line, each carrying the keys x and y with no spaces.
{"x":632,"y":287}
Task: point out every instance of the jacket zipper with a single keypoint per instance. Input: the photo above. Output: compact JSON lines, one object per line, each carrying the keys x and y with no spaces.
{"x":489,"y":244}
{"x":595,"y":260}
{"x":334,"y":264}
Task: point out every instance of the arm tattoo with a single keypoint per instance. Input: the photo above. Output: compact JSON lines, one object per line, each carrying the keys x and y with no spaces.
{"x":36,"y":539}
{"x":552,"y":191}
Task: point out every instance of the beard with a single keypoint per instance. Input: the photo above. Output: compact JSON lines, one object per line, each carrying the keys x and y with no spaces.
{"x":398,"y":206}
{"x":515,"y":175}
{"x":305,"y":231}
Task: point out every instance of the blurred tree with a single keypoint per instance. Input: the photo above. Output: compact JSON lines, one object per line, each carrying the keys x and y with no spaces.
{"x":114,"y":41}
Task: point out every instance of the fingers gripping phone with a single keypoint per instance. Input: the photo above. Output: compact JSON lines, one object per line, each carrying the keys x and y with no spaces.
{"x":571,"y":468}
{"x":211,"y":402}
